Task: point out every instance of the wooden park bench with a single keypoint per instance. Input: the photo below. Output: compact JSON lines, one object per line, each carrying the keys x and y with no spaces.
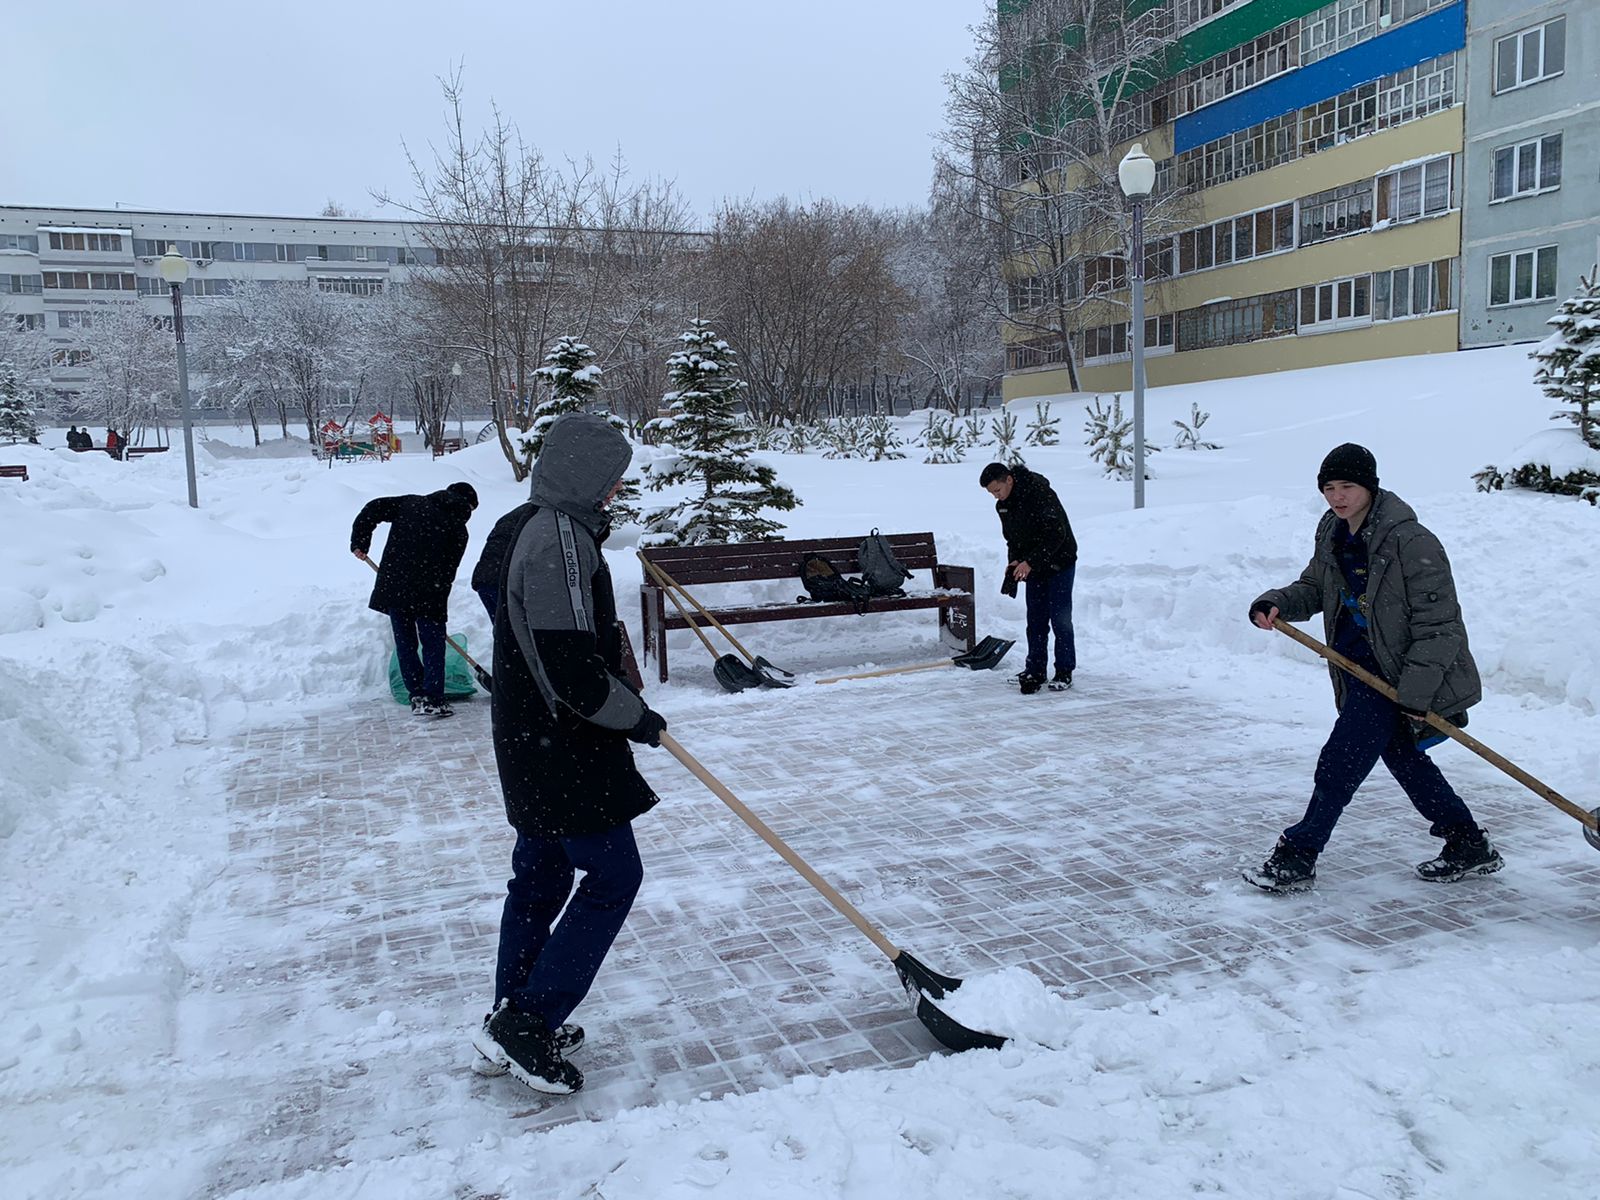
{"x":136,"y":451}
{"x":748,"y":562}
{"x":448,"y":445}
{"x":18,"y":472}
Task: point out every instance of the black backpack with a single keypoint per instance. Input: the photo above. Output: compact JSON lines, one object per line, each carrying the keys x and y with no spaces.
{"x":881,"y":571}
{"x":824,"y":583}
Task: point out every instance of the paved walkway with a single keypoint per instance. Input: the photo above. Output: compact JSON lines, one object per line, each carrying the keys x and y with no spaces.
{"x":1094,"y":836}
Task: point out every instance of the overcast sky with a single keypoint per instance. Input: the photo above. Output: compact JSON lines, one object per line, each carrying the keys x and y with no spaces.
{"x":251,"y":107}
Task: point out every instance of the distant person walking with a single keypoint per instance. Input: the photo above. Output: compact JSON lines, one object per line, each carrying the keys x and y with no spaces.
{"x":1042,"y":555}
{"x":113,"y":444}
{"x":563,"y":718}
{"x":1383,"y":585}
{"x":427,"y":537}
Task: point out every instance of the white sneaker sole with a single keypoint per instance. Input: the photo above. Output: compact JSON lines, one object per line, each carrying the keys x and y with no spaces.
{"x":1256,"y":879}
{"x":1488,"y":868}
{"x":491,"y":1061}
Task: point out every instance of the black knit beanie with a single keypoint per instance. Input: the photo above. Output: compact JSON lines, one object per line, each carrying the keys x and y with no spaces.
{"x":466,"y":491}
{"x":1351,"y":463}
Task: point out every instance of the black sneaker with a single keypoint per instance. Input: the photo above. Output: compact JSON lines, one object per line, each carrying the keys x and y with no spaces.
{"x":441,"y":708}
{"x":1061,"y":681}
{"x":419,"y":707}
{"x":524,"y":1045}
{"x":1029,"y":683}
{"x":490,"y":1060}
{"x":1288,"y":869}
{"x":1466,"y":852}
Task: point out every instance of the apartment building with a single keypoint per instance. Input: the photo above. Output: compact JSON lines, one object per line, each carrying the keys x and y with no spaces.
{"x":56,"y":262}
{"x":1530,"y":205}
{"x":1321,"y":147}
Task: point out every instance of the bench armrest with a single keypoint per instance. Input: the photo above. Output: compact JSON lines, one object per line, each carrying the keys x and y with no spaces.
{"x":954,"y":578}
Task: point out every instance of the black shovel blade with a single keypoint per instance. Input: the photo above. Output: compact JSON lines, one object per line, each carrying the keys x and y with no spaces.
{"x":1590,"y":835}
{"x":485,"y":680}
{"x":986,"y":655}
{"x":924,"y":985}
{"x":772,"y":676}
{"x":734,"y":675}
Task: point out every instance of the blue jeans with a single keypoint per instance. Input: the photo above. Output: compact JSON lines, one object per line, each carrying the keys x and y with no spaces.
{"x":423,"y":676}
{"x":1050,"y":609}
{"x":545,"y":970}
{"x":1371,"y":727}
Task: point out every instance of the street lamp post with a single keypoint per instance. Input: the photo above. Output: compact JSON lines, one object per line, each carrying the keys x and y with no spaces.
{"x":175,"y":269}
{"x":1137,"y":174}
{"x":461,"y":423}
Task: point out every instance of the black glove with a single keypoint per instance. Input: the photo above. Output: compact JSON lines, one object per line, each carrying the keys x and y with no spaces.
{"x":1009,"y":586}
{"x":1260,"y":606}
{"x":647,"y":730}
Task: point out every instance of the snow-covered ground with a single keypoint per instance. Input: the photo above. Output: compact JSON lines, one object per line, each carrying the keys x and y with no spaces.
{"x":137,"y":637}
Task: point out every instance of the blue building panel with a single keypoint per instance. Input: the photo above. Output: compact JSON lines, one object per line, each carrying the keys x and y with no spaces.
{"x":1414,"y":42}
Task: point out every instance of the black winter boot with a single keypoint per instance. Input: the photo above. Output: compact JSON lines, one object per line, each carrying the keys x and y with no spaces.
{"x":1029,"y":683}
{"x":527,"y":1048}
{"x":1288,"y":869}
{"x":1466,"y":852}
{"x":491,"y":1061}
{"x":1060,"y":681}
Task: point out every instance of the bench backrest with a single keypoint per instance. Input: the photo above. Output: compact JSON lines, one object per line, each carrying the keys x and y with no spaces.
{"x":13,"y":472}
{"x":781,"y":560}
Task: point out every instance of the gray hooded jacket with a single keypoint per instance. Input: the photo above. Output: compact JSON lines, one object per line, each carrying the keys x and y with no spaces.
{"x":1414,"y":620}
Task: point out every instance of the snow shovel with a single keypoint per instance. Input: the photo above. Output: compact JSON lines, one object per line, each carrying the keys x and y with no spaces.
{"x":985,"y":656}
{"x":1589,"y":820}
{"x":760,"y":673}
{"x":485,"y":680}
{"x":922,"y":984}
{"x":732,"y":674}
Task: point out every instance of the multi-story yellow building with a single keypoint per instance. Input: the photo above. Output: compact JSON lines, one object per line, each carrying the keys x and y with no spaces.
{"x":1320,"y":144}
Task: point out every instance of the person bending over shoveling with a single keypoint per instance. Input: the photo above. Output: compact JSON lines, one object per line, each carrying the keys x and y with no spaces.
{"x":1043,"y":555}
{"x":1388,"y":602}
{"x":427,"y":537}
{"x":563,"y":717}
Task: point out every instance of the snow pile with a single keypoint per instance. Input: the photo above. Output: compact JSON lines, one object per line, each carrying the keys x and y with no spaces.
{"x":1012,"y":1003}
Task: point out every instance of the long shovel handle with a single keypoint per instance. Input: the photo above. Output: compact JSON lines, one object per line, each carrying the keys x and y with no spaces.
{"x":933,"y":666}
{"x":789,"y":856}
{"x":451,"y":642}
{"x":667,"y":581}
{"x":682,"y":612}
{"x":1543,"y":790}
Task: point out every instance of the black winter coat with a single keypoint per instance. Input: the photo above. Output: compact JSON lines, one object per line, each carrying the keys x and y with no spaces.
{"x":561,"y":709}
{"x":427,"y":537}
{"x":491,"y":563}
{"x":1035,"y":525}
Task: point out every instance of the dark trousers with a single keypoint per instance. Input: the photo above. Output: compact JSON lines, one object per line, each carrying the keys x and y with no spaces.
{"x":490,"y":597}
{"x":1049,"y":604}
{"x":423,"y":676}
{"x":547,"y":970}
{"x":1370,"y":727}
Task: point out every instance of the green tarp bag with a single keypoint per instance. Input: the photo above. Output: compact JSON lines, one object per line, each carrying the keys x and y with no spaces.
{"x":458,"y":681}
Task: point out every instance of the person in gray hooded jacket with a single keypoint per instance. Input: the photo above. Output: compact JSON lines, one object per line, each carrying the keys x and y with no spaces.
{"x":1384,"y":588}
{"x":562,"y":719}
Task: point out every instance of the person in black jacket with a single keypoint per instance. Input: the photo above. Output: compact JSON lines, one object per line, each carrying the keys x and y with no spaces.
{"x":486,"y":575}
{"x":427,"y":538}
{"x":563,"y":717}
{"x":1043,"y":555}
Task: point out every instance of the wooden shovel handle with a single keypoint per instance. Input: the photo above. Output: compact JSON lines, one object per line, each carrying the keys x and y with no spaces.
{"x":682,"y":612}
{"x":448,"y":640}
{"x":789,"y":856}
{"x":1543,"y":790}
{"x":933,"y":666}
{"x":668,"y":582}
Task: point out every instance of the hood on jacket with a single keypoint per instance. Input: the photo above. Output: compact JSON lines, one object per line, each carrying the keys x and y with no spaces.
{"x":1387,"y":512}
{"x":583,"y":458}
{"x":454,"y":501}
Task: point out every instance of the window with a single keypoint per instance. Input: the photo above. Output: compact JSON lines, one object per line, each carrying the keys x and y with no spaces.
{"x":1234,"y":322}
{"x":1104,"y":273}
{"x":322,"y":252}
{"x":407,"y":257}
{"x":22,"y":285}
{"x":1527,"y":168}
{"x":151,"y":247}
{"x":100,"y":242}
{"x":1335,"y":27}
{"x":1428,"y":87}
{"x":26,"y":321}
{"x":19,"y":241}
{"x":1336,"y":212}
{"x":1412,"y":291}
{"x":73,"y":320}
{"x":1264,"y":58}
{"x":358,"y":253}
{"x":1339,"y":304}
{"x":66,"y":241}
{"x":1114,"y":341}
{"x":71,"y":358}
{"x":1022,"y":295}
{"x":1192,"y":12}
{"x":1416,"y":191}
{"x":1041,"y":352}
{"x":1522,"y":276}
{"x":1530,"y":56}
{"x":282,"y":253}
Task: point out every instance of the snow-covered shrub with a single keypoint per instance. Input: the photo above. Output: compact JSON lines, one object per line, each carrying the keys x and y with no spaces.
{"x":1189,"y":431}
{"x":1004,"y":428}
{"x":1043,"y":430}
{"x":1110,"y":439}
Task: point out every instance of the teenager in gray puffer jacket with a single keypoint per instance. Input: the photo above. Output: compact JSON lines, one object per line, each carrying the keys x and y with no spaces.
{"x":1383,"y":585}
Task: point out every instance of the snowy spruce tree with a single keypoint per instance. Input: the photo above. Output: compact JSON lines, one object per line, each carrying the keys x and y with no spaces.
{"x":1569,"y":361}
{"x":1189,"y":431}
{"x":17,"y":422}
{"x":881,"y":442}
{"x":1005,"y":439}
{"x":1043,"y":430}
{"x":574,"y":380}
{"x":710,"y":451}
{"x":942,"y":440}
{"x":1110,"y":439}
